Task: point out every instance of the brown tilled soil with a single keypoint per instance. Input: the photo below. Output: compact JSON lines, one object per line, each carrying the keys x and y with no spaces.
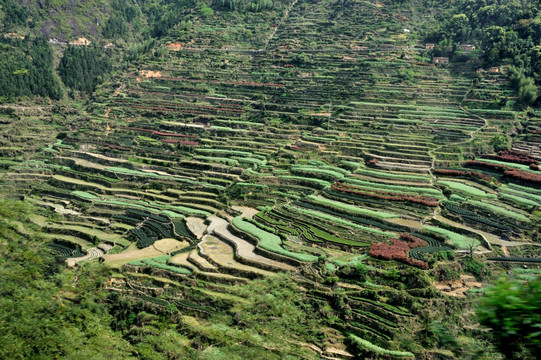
{"x":458,"y":287}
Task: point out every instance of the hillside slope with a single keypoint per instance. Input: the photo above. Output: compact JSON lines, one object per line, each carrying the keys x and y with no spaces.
{"x":267,"y":180}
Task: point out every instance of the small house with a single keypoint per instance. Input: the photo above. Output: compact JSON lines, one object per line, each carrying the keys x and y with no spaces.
{"x":467,"y":47}
{"x":440,"y":60}
{"x":429,"y":46}
{"x":480,"y":71}
{"x":13,"y":35}
{"x":81,"y":41}
{"x":494,"y":70}
{"x":174,"y":47}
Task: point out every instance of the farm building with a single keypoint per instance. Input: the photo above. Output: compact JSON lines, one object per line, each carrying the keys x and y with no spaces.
{"x":13,"y":35}
{"x":440,"y":60}
{"x":494,"y":70}
{"x":429,"y":46}
{"x":480,"y":71}
{"x":467,"y":47}
{"x":81,"y":41}
{"x":174,"y":47}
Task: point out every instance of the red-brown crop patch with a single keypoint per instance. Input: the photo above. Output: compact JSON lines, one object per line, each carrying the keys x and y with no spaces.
{"x":398,"y":249}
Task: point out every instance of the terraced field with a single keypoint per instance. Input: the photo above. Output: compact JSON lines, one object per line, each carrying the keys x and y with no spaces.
{"x":338,"y":138}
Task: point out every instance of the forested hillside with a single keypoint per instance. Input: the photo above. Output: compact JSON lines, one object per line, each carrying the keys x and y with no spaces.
{"x":506,"y":32}
{"x":27,"y":69}
{"x":84,"y":67}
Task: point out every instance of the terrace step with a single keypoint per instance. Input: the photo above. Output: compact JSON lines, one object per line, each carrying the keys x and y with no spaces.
{"x":200,"y":262}
{"x":407,"y":161}
{"x":92,"y":253}
{"x":402,"y":167}
{"x":243,"y":249}
{"x":222,"y":255}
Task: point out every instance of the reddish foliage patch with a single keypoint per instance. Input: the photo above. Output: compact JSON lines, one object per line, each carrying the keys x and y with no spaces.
{"x":295,"y":147}
{"x":181,"y":142}
{"x":519,"y":157}
{"x":248,"y":83}
{"x":398,"y":250}
{"x":384,"y":195}
{"x":508,"y":171}
{"x":523,"y":176}
{"x":491,"y":166}
{"x":160,"y":133}
{"x":449,"y":172}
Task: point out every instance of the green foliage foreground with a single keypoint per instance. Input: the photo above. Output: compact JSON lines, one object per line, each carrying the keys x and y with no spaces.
{"x":512,"y":310}
{"x":45,"y":313}
{"x":27,"y":69}
{"x":366,"y":346}
{"x":49,"y":312}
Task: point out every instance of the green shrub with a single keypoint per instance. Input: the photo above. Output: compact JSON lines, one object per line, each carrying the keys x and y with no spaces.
{"x":366,"y":346}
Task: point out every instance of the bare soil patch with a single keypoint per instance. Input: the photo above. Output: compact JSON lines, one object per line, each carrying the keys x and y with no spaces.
{"x":458,"y":287}
{"x":246,"y":212}
{"x":223,"y":255}
{"x":160,"y":247}
{"x":151,"y":74}
{"x":196,"y":225}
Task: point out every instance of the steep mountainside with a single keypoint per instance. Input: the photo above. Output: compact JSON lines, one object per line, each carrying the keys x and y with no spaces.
{"x":257,"y":179}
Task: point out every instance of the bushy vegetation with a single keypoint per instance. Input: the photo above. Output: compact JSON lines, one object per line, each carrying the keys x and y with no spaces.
{"x":45,"y":302}
{"x":511,"y":310}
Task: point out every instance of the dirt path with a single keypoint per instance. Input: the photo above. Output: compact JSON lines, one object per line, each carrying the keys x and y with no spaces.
{"x":282,"y":21}
{"x":119,"y":90}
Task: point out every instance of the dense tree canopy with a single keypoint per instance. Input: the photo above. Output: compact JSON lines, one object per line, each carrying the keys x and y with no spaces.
{"x":27,"y":69}
{"x":15,"y":14}
{"x":44,"y":313}
{"x":83,"y":67}
{"x":508,"y":32}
